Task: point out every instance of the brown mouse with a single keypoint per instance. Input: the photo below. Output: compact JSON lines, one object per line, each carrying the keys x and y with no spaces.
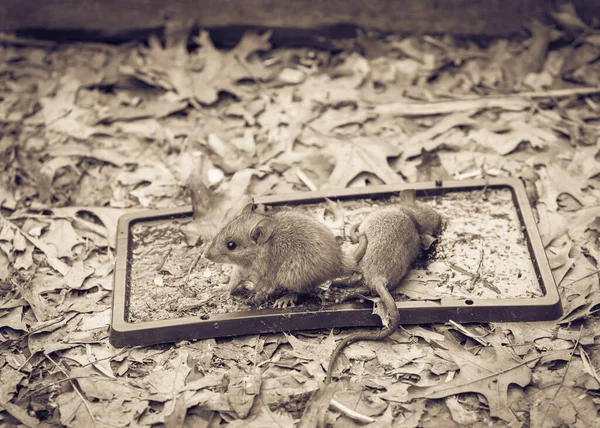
{"x":427,"y":220}
{"x":391,"y":238}
{"x":285,"y":248}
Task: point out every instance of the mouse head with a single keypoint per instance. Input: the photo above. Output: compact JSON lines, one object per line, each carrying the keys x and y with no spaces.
{"x":240,"y":240}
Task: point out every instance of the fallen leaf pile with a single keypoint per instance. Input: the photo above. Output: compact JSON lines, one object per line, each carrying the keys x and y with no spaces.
{"x":89,"y":132}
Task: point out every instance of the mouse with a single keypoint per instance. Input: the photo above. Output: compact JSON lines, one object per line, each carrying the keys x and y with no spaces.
{"x":390,"y":239}
{"x":284,"y":249}
{"x":427,"y":220}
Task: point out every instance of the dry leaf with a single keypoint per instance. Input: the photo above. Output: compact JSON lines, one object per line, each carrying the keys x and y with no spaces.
{"x":77,"y":274}
{"x":411,"y":414}
{"x":176,"y":417}
{"x":242,"y":390}
{"x":63,"y":116}
{"x":265,"y":418}
{"x":460,"y":414}
{"x":316,"y":408}
{"x":581,"y":307}
{"x":551,"y":225}
{"x":506,"y":142}
{"x":530,"y":60}
{"x":229,"y":157}
{"x":487,"y":376}
{"x":559,"y":259}
{"x":319,"y":352}
{"x":213,"y":209}
{"x":559,"y":402}
{"x":409,"y":109}
{"x":567,"y":18}
{"x":62,"y":237}
{"x":334,"y":221}
{"x":23,"y":258}
{"x":558,"y":181}
{"x":161,"y":181}
{"x":167,"y":381}
{"x":20,"y":414}
{"x":364,"y":155}
{"x":169,"y":67}
{"x":223,"y":70}
{"x":414,"y":144}
{"x":159,"y":107}
{"x":278,"y":138}
{"x":360,"y":401}
{"x":431,"y":168}
{"x":529,"y":332}
{"x":13,"y":319}
{"x":78,"y":150}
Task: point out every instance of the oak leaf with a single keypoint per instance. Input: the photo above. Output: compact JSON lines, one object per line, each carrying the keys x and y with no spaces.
{"x":558,"y":181}
{"x":223,"y":70}
{"x":264,"y":418}
{"x":364,"y":155}
{"x":14,"y":319}
{"x":489,"y":377}
{"x":312,"y":351}
{"x":243,"y":389}
{"x":62,"y":237}
{"x":214,"y":208}
{"x":166,"y":381}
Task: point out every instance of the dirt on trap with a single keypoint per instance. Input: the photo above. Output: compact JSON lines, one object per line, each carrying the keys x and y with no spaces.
{"x":482,"y":253}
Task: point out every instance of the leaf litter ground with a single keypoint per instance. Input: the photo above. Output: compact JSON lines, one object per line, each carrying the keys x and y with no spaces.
{"x":90,"y":131}
{"x":482,"y":236}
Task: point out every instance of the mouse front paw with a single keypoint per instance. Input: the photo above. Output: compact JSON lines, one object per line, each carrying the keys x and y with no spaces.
{"x":285,"y":301}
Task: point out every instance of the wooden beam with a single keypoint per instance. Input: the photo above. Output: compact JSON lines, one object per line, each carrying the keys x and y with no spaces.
{"x":485,"y":17}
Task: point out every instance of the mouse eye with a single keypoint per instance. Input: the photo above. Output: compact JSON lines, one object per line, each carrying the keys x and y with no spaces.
{"x":231,"y":245}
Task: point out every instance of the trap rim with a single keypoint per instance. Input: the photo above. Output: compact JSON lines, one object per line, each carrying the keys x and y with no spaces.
{"x":309,"y":317}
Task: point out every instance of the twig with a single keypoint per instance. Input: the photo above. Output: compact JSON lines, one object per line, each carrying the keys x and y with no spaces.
{"x":26,"y":361}
{"x":304,"y":179}
{"x":68,"y":379}
{"x":537,"y":108}
{"x":57,"y":382}
{"x":556,"y":93}
{"x":467,"y":333}
{"x":164,"y":260}
{"x":192,"y":266}
{"x":484,"y":281}
{"x":562,"y":381}
{"x":581,"y":279}
{"x":76,"y":388}
{"x":477,"y":276}
{"x":9,"y":39}
{"x":110,"y":357}
{"x":518,"y":101}
{"x":350,"y":413}
{"x":35,"y":330}
{"x":588,"y":363}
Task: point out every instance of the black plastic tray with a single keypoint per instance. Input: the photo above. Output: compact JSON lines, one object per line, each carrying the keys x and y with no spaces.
{"x":544,"y":308}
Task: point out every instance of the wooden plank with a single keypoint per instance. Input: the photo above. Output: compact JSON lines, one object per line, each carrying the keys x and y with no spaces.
{"x":486,"y":17}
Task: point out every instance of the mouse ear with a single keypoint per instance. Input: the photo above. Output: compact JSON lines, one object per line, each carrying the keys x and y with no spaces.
{"x":408,"y":196}
{"x":249,"y":208}
{"x":426,"y":241}
{"x":262,"y":231}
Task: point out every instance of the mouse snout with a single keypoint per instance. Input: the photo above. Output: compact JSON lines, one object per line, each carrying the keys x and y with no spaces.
{"x":210,"y":253}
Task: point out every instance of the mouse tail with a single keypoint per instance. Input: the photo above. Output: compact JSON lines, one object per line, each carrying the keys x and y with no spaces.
{"x":390,"y":310}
